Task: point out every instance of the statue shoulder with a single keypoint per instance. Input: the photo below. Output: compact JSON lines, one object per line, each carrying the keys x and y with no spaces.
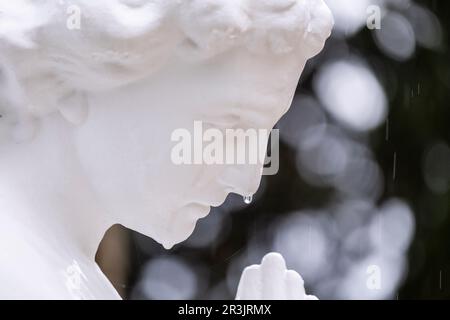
{"x":33,"y":268}
{"x":24,"y":273}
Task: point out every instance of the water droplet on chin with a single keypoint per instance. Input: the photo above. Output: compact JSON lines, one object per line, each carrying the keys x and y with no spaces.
{"x":248,"y":199}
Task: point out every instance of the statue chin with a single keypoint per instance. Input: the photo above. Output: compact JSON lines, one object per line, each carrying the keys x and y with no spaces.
{"x":89,"y":108}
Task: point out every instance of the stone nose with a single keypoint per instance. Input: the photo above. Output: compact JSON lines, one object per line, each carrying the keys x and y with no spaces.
{"x":242,"y":179}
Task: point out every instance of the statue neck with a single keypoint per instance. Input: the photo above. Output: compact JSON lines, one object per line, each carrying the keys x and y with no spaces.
{"x":42,"y":184}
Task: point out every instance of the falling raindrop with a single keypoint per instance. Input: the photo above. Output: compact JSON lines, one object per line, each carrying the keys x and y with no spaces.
{"x":248,"y":199}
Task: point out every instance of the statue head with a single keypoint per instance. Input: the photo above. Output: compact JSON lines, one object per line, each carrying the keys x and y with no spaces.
{"x":120,"y":83}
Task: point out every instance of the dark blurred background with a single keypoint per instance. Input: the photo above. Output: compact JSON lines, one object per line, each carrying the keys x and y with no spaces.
{"x":364,"y":180}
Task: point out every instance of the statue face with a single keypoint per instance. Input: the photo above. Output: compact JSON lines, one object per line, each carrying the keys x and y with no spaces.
{"x":208,"y":61}
{"x":125,"y":144}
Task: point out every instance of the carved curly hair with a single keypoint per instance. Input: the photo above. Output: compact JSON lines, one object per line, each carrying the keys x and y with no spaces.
{"x":122,"y":41}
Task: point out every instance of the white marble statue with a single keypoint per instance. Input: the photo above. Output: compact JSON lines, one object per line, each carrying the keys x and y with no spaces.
{"x":90,"y":92}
